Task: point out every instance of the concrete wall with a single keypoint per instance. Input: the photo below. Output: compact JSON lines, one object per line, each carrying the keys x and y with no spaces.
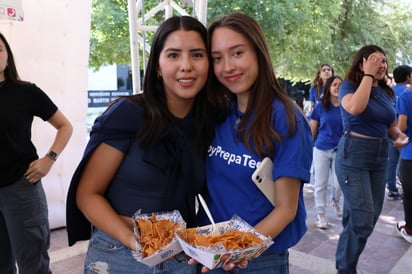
{"x":51,"y":49}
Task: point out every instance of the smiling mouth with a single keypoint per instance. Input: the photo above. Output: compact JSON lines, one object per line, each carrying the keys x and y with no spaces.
{"x":232,"y":77}
{"x":186,"y":80}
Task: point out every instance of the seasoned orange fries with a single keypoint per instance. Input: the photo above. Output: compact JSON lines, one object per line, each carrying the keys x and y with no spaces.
{"x":232,"y":239}
{"x":155,"y":234}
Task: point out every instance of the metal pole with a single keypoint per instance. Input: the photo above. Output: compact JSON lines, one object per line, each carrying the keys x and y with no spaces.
{"x":134,"y":48}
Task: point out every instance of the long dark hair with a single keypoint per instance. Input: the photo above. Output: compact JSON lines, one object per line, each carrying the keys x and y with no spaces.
{"x":10,"y":72}
{"x":354,"y":73}
{"x":266,"y":88}
{"x":325,"y":100}
{"x":157,"y":116}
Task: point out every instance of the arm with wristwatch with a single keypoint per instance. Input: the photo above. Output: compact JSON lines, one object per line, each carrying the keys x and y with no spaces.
{"x":41,"y":167}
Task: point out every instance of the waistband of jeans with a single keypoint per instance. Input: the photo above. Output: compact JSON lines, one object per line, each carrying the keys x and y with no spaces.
{"x":364,"y":137}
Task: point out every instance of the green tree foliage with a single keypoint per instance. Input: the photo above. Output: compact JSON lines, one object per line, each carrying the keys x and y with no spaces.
{"x":302,"y":34}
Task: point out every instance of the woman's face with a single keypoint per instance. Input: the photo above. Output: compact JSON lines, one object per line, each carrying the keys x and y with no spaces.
{"x":325,"y":73}
{"x":183,"y":65}
{"x":234,"y":60}
{"x":334,"y":87}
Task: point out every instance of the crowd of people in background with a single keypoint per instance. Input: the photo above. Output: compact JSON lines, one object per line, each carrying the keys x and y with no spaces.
{"x":208,"y":90}
{"x":367,"y":140}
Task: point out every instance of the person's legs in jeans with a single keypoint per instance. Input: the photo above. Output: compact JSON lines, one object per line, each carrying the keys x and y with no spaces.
{"x":392,"y":168}
{"x":360,"y":168}
{"x":7,"y":262}
{"x":26,"y":218}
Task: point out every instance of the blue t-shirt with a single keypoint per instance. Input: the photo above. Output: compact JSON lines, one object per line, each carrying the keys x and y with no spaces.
{"x":399,"y":89}
{"x":313,"y":97}
{"x":405,"y":108}
{"x":378,"y":115}
{"x":229,"y":168}
{"x":330,"y":127}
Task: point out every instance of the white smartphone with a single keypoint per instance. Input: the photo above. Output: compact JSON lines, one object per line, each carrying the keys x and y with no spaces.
{"x":262,"y":177}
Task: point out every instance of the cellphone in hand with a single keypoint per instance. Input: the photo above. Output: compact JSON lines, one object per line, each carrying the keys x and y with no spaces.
{"x":262,"y":177}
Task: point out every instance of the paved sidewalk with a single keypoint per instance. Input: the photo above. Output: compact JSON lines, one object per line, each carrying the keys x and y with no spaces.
{"x":385,"y":253}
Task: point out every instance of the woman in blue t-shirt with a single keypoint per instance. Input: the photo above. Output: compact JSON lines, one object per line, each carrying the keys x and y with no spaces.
{"x":326,"y":126}
{"x":368,"y":115}
{"x":317,"y":86}
{"x":262,"y":121}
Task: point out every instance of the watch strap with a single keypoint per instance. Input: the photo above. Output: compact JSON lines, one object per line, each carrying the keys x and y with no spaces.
{"x":52,"y":155}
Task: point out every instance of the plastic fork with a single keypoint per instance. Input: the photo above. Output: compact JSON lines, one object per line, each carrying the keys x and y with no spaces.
{"x":209,"y":215}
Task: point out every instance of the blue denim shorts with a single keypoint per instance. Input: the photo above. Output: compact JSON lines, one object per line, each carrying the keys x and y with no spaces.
{"x":107,"y":255}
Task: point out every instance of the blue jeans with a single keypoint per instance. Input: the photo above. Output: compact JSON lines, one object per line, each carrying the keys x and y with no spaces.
{"x":267,"y":263}
{"x":107,"y":255}
{"x":324,"y":166}
{"x":360,"y":168}
{"x":24,"y":228}
{"x":393,"y":167}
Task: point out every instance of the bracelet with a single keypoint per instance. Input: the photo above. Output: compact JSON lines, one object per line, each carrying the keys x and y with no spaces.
{"x":369,"y":75}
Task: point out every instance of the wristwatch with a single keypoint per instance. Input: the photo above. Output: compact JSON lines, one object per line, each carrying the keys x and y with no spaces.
{"x":52,"y":155}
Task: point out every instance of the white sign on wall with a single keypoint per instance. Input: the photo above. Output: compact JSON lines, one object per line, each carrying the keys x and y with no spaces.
{"x":11,"y":10}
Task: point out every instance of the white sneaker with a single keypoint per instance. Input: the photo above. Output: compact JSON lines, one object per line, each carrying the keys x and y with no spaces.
{"x":321,"y":221}
{"x":400,"y":227}
{"x":337,"y":208}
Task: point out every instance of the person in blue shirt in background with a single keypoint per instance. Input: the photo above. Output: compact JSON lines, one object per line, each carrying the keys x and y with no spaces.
{"x":368,"y":117}
{"x":404,"y":108}
{"x":403,"y":79}
{"x":326,"y":126}
{"x":262,"y":121}
{"x":318,"y":84}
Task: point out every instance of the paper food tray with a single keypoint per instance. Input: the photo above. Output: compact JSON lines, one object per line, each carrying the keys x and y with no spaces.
{"x":217,"y":256}
{"x":168,"y":251}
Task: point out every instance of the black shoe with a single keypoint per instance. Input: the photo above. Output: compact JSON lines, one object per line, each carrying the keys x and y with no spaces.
{"x":395,"y":196}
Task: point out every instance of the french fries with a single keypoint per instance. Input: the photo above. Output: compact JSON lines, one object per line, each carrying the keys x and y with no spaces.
{"x":155,"y":234}
{"x":231,"y":240}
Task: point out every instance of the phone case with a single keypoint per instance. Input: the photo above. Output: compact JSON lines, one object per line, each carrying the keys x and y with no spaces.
{"x":262,"y":177}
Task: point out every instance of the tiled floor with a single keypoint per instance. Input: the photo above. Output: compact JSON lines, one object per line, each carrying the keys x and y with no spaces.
{"x":386,"y":252}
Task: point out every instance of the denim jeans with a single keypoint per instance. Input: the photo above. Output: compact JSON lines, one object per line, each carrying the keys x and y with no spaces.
{"x":406,"y":180}
{"x":107,"y":255}
{"x":324,"y":166}
{"x":360,"y":168}
{"x":24,"y":228}
{"x":392,"y":168}
{"x":267,"y":263}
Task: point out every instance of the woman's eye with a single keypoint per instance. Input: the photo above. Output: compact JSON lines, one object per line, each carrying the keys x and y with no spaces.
{"x":216,"y":59}
{"x":172,"y":55}
{"x":198,"y":55}
{"x":237,"y":53}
